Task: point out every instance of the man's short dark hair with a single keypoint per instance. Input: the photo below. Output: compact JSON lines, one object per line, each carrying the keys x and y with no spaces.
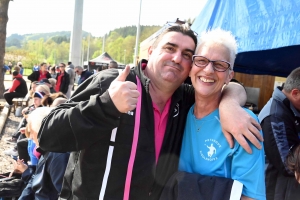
{"x":69,"y":63}
{"x":43,"y":63}
{"x":184,"y":29}
{"x":15,"y":73}
{"x":113,"y":64}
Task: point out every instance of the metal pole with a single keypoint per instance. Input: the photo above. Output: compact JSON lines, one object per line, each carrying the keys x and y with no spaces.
{"x":103,"y":44}
{"x":137,"y":37}
{"x":76,"y":35}
{"x":82,"y":58}
{"x":124,"y":56}
{"x":88,"y":51}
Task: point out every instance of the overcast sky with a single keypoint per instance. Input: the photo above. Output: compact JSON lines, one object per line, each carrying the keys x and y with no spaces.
{"x":99,"y":16}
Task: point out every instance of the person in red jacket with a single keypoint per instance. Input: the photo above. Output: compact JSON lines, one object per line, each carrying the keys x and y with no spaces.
{"x":17,"y":90}
{"x":41,"y":74}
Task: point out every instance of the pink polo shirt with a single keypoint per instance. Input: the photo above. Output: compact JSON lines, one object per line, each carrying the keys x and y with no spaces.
{"x":160,"y":124}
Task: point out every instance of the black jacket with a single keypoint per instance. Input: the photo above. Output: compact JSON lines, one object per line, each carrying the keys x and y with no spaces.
{"x":88,"y":126}
{"x":36,"y":74}
{"x":64,"y":85}
{"x":280,"y":123}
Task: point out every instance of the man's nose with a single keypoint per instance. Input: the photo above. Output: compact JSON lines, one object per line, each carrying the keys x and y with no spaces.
{"x":177,"y":57}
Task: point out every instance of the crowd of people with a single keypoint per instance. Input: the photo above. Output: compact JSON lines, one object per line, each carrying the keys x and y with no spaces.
{"x":141,"y":133}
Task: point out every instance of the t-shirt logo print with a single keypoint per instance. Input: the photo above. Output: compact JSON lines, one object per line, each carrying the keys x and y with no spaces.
{"x":212,"y":150}
{"x":209,"y":150}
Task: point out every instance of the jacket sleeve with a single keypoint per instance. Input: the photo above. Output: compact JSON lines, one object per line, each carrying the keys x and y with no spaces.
{"x":279,"y":136}
{"x":48,"y":75}
{"x":74,"y":126}
{"x":67,"y":82}
{"x":31,"y":77}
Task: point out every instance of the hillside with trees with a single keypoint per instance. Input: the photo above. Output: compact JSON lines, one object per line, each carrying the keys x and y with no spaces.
{"x":54,"y":47}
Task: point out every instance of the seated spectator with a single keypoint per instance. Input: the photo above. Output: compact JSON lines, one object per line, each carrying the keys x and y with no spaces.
{"x":33,"y":86}
{"x":36,"y":67}
{"x":49,"y":99}
{"x":41,"y":74}
{"x":293,"y":161}
{"x":45,"y":180}
{"x":62,"y":79}
{"x":17,"y":90}
{"x":280,"y":123}
{"x":84,"y":74}
{"x":46,"y":81}
{"x":5,"y":69}
{"x":18,"y":138}
{"x":19,"y":64}
{"x":53,"y":72}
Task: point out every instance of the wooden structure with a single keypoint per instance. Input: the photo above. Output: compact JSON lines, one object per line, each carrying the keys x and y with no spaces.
{"x":264,"y":82}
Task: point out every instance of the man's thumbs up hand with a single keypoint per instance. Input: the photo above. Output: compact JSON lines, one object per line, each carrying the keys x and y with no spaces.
{"x":123,"y":93}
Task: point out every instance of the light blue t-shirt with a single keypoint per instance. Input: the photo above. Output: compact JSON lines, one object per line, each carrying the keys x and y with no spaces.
{"x":206,"y":151}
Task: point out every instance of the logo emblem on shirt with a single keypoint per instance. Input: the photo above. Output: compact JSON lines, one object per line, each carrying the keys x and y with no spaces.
{"x":209,"y":153}
{"x":176,"y":110}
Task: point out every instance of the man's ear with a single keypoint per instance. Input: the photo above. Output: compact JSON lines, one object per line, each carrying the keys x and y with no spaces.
{"x":295,"y":94}
{"x":150,"y":50}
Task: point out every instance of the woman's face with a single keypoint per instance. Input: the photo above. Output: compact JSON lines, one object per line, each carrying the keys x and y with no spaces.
{"x":206,"y":81}
{"x":37,"y":101}
{"x":33,"y":86}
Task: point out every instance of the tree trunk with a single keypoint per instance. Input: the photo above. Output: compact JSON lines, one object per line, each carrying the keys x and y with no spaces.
{"x":3,"y":21}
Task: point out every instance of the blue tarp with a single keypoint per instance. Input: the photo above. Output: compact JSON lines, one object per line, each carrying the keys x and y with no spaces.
{"x":267,"y":31}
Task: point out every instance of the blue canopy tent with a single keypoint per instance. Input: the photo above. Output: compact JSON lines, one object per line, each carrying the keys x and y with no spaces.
{"x":267,"y":31}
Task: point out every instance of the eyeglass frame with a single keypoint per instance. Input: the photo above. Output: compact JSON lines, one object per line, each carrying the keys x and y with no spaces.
{"x":212,"y":62}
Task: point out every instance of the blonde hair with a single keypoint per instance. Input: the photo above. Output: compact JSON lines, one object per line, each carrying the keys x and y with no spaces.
{"x":222,"y":37}
{"x":43,"y":88}
{"x":52,"y":81}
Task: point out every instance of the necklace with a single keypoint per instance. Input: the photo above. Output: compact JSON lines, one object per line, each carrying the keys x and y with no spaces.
{"x":198,"y":126}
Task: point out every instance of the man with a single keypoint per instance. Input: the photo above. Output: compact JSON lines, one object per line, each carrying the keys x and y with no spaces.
{"x":36,"y":67}
{"x":113,"y":65}
{"x":71,"y":72}
{"x":83,"y":74}
{"x":45,"y":81}
{"x":101,"y":121}
{"x":62,"y":79}
{"x":42,"y":73}
{"x":280,"y":120}
{"x":17,"y":90}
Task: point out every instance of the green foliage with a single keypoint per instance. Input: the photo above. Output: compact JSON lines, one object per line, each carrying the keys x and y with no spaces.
{"x":54,"y":47}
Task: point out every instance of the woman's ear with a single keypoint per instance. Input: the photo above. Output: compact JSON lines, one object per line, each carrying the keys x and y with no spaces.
{"x":230,"y":76}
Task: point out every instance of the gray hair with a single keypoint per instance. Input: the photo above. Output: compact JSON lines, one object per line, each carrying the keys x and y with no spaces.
{"x":292,"y":81}
{"x":222,"y":37}
{"x":78,"y":67}
{"x":36,"y":117}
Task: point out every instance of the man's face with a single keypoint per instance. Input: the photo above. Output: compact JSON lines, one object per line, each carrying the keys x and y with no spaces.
{"x":37,"y":101}
{"x":170,"y":62}
{"x":78,"y":71}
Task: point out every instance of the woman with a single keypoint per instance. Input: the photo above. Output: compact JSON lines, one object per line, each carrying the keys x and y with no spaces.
{"x":293,"y":161}
{"x":205,"y":150}
{"x":41,"y":74}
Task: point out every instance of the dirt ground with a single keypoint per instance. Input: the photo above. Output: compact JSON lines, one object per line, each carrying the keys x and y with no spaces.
{"x":6,"y":162}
